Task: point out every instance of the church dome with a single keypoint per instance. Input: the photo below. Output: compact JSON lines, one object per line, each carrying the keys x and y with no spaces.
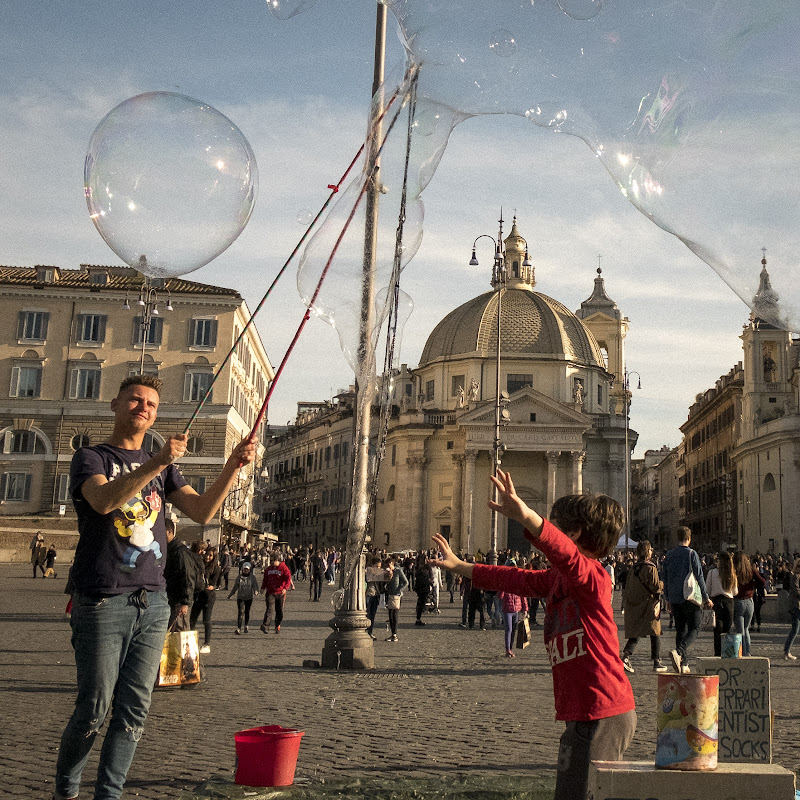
{"x":532,"y":324}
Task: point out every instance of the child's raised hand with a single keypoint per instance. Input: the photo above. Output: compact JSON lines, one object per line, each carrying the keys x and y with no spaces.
{"x":449,"y":559}
{"x":509,"y":503}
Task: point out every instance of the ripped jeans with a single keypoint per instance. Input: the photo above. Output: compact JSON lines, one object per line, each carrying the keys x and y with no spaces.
{"x":118,"y":641}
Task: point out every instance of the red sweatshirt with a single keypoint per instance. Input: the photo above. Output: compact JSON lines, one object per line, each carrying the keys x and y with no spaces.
{"x":276,"y":579}
{"x":580,"y":634}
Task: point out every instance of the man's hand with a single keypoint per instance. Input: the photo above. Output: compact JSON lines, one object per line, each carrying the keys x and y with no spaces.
{"x":449,"y":559}
{"x":183,"y":611}
{"x":510,"y":505}
{"x":173,"y":449}
{"x":244,"y":452}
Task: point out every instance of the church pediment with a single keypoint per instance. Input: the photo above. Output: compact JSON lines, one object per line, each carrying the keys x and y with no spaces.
{"x":529,"y":407}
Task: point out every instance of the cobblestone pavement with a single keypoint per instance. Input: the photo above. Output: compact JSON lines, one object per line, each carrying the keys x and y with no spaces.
{"x":442,"y":701}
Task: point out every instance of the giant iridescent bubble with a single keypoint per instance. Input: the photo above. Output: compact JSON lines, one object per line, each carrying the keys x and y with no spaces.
{"x":692,"y":107}
{"x":170,"y":182}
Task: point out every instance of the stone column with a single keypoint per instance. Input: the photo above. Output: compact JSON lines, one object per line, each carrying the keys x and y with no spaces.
{"x":468,"y":531}
{"x":552,"y":467}
{"x":578,"y":457}
{"x":456,"y":539}
{"x":416,"y":466}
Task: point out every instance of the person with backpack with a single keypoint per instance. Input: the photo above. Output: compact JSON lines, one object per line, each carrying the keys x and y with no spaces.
{"x":642,"y":596}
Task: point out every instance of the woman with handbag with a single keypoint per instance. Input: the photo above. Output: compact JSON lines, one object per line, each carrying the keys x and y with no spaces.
{"x":205,"y":596}
{"x":721,"y":587}
{"x":642,"y":597}
{"x":512,"y":605}
{"x":747,"y":579}
{"x":396,"y":584}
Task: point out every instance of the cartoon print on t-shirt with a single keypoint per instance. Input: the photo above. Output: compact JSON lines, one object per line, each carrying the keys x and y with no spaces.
{"x":138,"y":517}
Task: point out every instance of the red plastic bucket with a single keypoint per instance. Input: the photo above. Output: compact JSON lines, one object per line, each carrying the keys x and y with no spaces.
{"x":267,"y":755}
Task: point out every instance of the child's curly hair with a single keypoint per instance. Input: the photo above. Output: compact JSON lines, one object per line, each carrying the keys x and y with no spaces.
{"x":598,"y":517}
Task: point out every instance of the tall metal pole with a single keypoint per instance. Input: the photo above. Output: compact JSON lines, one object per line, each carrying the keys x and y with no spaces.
{"x":499,"y":276}
{"x":349,"y":646}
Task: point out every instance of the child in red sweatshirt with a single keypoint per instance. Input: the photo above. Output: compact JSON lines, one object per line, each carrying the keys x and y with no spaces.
{"x":592,"y":693}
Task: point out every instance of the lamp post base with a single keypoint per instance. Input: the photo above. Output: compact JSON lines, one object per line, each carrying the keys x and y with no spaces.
{"x":349,"y":646}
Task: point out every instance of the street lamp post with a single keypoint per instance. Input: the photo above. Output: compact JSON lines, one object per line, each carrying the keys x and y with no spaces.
{"x":148,"y":301}
{"x":627,"y":395}
{"x":499,"y":279}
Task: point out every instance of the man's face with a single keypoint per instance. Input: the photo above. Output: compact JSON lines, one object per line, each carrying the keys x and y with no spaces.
{"x":136,"y":407}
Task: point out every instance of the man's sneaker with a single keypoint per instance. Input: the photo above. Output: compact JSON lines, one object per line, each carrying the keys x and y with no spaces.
{"x":685,"y":669}
{"x":277,"y":629}
{"x":246,"y":629}
{"x":392,"y":638}
{"x":419,"y":622}
{"x":462,"y":624}
{"x":676,"y":660}
{"x":659,"y":666}
{"x":206,"y":648}
{"x":238,"y":632}
{"x":483,"y":627}
{"x":626,"y":662}
{"x":263,"y":629}
{"x":789,"y":657}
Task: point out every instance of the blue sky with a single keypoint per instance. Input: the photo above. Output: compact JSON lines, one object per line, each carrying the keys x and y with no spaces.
{"x":299,"y":91}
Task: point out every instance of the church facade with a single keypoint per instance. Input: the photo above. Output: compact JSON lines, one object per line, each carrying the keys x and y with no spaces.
{"x":564,"y":402}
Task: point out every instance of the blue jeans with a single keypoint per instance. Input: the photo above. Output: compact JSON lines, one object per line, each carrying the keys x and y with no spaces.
{"x":742,"y":617}
{"x":373,"y":602}
{"x":793,"y":631}
{"x":510,"y":625}
{"x":118,"y":642}
{"x":687,"y":625}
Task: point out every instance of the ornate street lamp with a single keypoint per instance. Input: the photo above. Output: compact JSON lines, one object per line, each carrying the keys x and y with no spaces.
{"x":148,"y":301}
{"x":499,"y":279}
{"x":627,"y":395}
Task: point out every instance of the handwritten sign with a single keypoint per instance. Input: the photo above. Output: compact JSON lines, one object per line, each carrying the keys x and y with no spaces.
{"x":745,"y":711}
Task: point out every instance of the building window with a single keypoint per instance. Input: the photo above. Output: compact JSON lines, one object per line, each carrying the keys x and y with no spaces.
{"x":203,"y":332}
{"x":91,"y":328}
{"x":154,"y":335}
{"x":533,"y":417}
{"x":80,"y":440}
{"x":197,"y":482}
{"x":394,"y":455}
{"x":599,"y":395}
{"x":344,"y":452}
{"x":26,"y":381}
{"x":15,"y":486}
{"x":390,"y":493}
{"x":152,"y":442}
{"x":194,"y":445}
{"x":456,"y":383}
{"x":196,"y":385}
{"x":451,"y":445}
{"x":32,"y":326}
{"x":23,"y":442}
{"x":516,"y":382}
{"x":84,"y":383}
{"x":62,"y":493}
{"x":769,"y":482}
{"x":429,"y":389}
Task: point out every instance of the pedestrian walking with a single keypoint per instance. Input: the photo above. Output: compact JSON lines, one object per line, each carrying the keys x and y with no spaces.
{"x":245,"y":587}
{"x":423,"y":581}
{"x":396,"y":584}
{"x":120,"y":609}
{"x":375,"y":578}
{"x":181,"y":576}
{"x":318,"y":567}
{"x":678,"y":564}
{"x":642,"y":596}
{"x":50,"y":562}
{"x":38,"y":553}
{"x":205,"y":596}
{"x":721,"y":587}
{"x":794,"y":610}
{"x":512,"y":606}
{"x":277,"y":581}
{"x":225,"y":564}
{"x":592,"y":693}
{"x":747,"y":579}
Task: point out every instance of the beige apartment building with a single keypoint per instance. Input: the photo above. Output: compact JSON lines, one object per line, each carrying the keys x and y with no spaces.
{"x":72,"y":335}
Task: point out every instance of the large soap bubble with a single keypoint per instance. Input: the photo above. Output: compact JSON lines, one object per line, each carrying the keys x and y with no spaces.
{"x":170,"y":182}
{"x":693,"y":109}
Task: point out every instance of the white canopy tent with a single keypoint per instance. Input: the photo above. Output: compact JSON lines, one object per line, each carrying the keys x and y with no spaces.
{"x":626,"y":543}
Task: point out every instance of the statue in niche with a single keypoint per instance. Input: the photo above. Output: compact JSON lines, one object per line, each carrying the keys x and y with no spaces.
{"x":473,"y":391}
{"x":461,"y":397}
{"x":577,"y":393}
{"x":770,"y":367}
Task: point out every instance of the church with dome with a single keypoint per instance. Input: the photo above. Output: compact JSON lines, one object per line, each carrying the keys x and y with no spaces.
{"x":563,"y":411}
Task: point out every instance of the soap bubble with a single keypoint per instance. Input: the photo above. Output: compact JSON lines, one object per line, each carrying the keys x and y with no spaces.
{"x":305,"y":217}
{"x":286,"y":9}
{"x":581,"y":9}
{"x":170,"y":182}
{"x":503,"y":43}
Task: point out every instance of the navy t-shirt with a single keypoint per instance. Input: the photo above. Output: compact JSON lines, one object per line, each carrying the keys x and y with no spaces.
{"x":125,"y":550}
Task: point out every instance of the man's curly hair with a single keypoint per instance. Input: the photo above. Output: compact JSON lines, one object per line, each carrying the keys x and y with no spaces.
{"x":598,"y":517}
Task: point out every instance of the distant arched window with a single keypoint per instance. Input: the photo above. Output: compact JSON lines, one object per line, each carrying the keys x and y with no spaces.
{"x":390,"y":493}
{"x":769,"y":482}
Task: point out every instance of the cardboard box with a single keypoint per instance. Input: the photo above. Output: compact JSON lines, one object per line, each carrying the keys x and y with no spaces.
{"x":745,"y":711}
{"x":640,"y":780}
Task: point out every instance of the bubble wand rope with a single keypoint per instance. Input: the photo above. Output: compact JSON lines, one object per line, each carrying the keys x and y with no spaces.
{"x":334,"y":190}
{"x":322,"y":277}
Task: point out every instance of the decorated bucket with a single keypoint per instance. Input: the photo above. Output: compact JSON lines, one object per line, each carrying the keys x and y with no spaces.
{"x":731,"y":645}
{"x":687,"y":722}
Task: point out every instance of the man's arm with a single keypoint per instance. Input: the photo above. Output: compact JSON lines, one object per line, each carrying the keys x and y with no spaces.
{"x":105,"y":496}
{"x":202,"y":507}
